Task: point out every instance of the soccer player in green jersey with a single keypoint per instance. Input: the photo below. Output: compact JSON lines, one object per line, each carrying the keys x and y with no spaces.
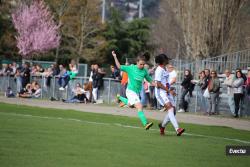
{"x":136,"y":74}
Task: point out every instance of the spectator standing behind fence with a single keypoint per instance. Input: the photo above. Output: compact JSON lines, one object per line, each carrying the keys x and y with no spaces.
{"x":4,"y":66}
{"x":238,"y":91}
{"x":8,"y":70}
{"x":18,"y":79}
{"x":14,"y":67}
{"x":25,"y":75}
{"x":207,"y":79}
{"x":200,"y":92}
{"x":48,"y":73}
{"x":230,"y":92}
{"x":248,"y":85}
{"x":52,"y":71}
{"x":214,"y":89}
{"x":115,"y":73}
{"x":73,"y":71}
{"x":186,"y":86}
{"x":172,"y":75}
{"x":97,"y":77}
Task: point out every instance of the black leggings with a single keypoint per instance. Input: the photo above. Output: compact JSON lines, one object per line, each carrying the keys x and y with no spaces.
{"x":238,"y":97}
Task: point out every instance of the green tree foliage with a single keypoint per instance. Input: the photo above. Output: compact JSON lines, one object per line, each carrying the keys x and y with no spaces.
{"x":127,"y":38}
{"x":7,"y":33}
{"x":80,"y":29}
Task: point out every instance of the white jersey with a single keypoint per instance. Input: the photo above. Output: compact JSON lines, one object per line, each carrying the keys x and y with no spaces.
{"x":161,"y":75}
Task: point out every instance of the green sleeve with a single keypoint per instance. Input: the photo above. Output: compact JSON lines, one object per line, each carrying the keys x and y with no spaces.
{"x":148,"y":77}
{"x":125,"y":68}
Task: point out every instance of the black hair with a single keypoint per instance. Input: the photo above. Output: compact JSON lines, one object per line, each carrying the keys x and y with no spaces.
{"x":242,"y":75}
{"x":147,"y":56}
{"x":161,"y":58}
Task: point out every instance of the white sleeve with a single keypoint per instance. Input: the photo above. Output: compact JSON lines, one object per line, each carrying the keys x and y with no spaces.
{"x":158,"y":74}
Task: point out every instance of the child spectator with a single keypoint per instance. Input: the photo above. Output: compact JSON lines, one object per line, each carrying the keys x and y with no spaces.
{"x":9,"y":92}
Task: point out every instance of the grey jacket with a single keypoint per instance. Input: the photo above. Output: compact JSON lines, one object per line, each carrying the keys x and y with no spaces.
{"x":238,"y":85}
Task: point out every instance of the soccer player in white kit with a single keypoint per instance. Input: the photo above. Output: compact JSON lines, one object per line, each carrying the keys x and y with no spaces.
{"x":163,"y":96}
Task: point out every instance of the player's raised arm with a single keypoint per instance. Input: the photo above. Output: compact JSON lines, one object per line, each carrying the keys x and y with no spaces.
{"x":118,"y":65}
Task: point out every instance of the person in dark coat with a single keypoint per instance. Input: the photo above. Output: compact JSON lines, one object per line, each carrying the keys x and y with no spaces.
{"x":187,"y":85}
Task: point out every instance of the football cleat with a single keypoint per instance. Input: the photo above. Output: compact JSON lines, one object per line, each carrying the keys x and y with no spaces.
{"x":161,"y":129}
{"x":180,"y":131}
{"x":148,"y":125}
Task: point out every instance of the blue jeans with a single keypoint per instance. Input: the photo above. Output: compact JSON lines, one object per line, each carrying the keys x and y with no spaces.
{"x":213,"y":100}
{"x":202,"y":101}
{"x":143,"y":97}
{"x":231,"y":104}
{"x":63,"y":81}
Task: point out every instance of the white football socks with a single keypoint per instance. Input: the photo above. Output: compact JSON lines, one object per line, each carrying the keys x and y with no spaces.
{"x":172,"y":118}
{"x":165,"y":121}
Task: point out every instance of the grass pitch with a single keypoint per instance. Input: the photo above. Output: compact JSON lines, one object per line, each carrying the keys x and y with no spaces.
{"x":38,"y":137}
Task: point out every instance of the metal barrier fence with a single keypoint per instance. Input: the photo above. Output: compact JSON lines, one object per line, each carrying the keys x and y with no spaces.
{"x":111,"y":88}
{"x":231,"y":61}
{"x":108,"y":92}
{"x":82,"y":68}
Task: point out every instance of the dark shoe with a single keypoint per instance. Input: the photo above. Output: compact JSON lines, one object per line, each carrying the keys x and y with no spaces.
{"x":161,"y":129}
{"x":148,"y":125}
{"x":63,"y":100}
{"x":180,"y":131}
{"x":236,"y":116}
{"x":52,"y":99}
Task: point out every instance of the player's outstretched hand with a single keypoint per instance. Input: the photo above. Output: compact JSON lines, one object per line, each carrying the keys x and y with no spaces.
{"x":113,"y":53}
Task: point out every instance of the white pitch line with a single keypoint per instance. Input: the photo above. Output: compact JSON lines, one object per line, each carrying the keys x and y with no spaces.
{"x":121,"y":125}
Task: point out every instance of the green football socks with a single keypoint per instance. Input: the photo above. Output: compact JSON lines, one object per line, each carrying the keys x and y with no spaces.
{"x":142,"y":117}
{"x":124,"y":100}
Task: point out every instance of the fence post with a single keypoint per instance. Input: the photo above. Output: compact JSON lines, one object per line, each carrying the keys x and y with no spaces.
{"x":54,"y":86}
{"x":196,"y":99}
{"x":42,"y":85}
{"x":109,"y":91}
{"x":8,"y":84}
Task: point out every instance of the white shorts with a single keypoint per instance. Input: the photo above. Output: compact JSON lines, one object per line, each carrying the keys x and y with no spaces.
{"x":133,"y":98}
{"x":161,"y":96}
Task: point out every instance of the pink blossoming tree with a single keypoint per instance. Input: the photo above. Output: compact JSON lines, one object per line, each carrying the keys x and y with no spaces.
{"x":37,"y":31}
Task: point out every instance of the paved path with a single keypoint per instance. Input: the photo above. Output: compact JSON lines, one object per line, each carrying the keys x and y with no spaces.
{"x":95,"y":108}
